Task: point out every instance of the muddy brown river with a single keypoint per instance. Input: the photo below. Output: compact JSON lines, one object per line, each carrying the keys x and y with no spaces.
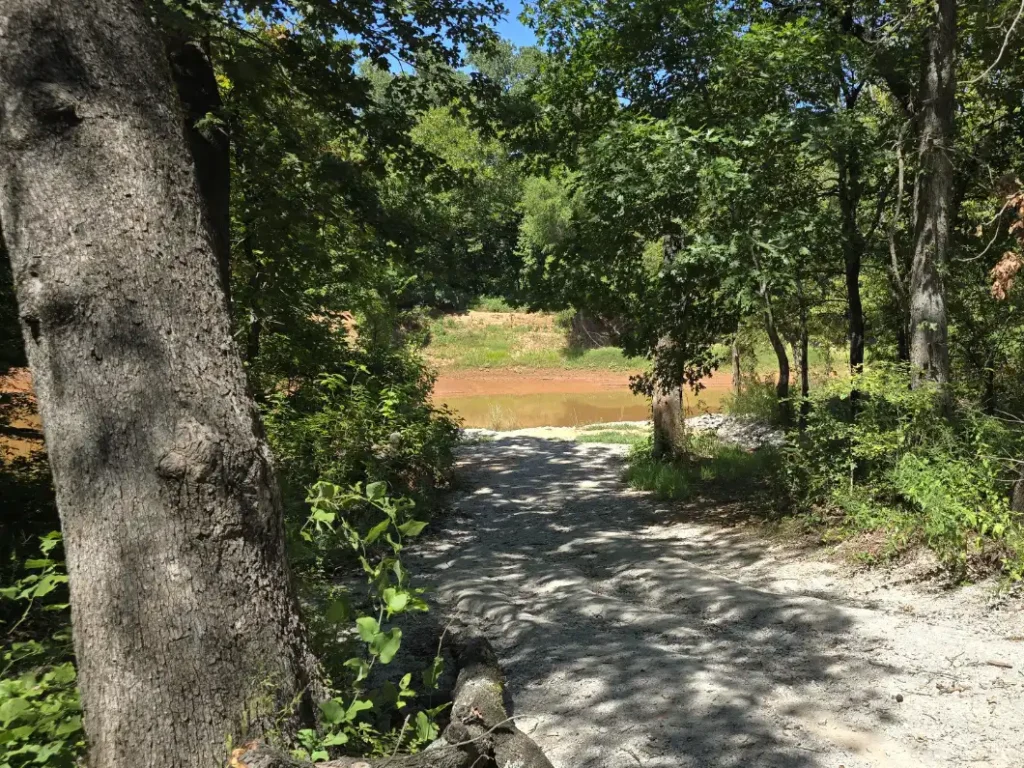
{"x":506,"y":400}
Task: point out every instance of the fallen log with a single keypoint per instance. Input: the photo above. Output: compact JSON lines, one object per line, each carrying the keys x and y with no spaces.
{"x":480,"y":734}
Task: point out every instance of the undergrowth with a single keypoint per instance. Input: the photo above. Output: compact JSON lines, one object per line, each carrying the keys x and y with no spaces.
{"x":707,"y":466}
{"x":877,"y":460}
{"x":921,"y":466}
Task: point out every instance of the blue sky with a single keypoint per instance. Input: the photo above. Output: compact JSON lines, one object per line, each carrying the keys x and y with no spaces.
{"x":511,"y":28}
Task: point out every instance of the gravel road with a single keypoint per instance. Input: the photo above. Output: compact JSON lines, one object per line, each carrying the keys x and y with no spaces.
{"x":639,"y":633}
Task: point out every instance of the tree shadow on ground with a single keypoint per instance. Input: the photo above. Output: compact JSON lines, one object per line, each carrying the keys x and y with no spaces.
{"x":623,"y":648}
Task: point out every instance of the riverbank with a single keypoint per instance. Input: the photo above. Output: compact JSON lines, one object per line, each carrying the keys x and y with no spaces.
{"x":479,"y":340}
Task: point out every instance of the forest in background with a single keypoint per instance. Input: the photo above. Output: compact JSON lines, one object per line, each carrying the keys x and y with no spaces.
{"x":695,"y":176}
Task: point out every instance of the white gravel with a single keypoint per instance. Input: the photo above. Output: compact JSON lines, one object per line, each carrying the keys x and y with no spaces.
{"x":636,"y":633}
{"x":729,"y":429}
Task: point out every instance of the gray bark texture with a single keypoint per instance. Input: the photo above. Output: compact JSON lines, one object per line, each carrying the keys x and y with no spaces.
{"x":186,"y":630}
{"x":481,"y":734}
{"x":853,"y":252}
{"x":737,"y":369}
{"x":779,"y":346}
{"x":929,"y":351}
{"x":669,"y":421}
{"x":667,"y":403}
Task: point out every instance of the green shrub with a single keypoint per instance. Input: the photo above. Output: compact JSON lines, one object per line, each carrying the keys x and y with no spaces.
{"x":370,"y":421}
{"x":40,"y":714}
{"x":352,"y":635}
{"x":756,"y":400}
{"x":918,"y":464}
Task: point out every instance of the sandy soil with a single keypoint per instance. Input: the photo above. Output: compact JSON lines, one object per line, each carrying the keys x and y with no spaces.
{"x":537,"y":320}
{"x":19,"y":382}
{"x":636,"y":633}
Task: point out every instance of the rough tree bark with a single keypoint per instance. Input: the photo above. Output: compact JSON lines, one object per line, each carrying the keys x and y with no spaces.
{"x":929,"y":352}
{"x":853,"y":252}
{"x":804,"y":365}
{"x":209,"y":141}
{"x":737,"y":369}
{"x":186,"y":630}
{"x":667,"y":404}
{"x":772,"y":329}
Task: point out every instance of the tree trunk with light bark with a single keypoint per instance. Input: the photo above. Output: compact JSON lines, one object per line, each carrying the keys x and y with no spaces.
{"x":934,"y":215}
{"x":667,"y":405}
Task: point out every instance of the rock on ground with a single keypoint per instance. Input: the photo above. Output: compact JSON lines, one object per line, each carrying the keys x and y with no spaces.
{"x":637,"y":633}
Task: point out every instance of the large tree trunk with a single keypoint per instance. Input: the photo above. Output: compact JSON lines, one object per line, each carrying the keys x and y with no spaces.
{"x":853,"y":251}
{"x":929,"y":352}
{"x":667,"y":406}
{"x":187,"y":633}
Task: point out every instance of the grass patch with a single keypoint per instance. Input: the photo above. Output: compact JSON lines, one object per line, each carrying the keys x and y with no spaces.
{"x":521,"y":341}
{"x":612,"y":437}
{"x":641,"y":428}
{"x":711,"y":468}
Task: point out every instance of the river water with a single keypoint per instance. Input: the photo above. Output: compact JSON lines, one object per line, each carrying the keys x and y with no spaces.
{"x":504,"y":400}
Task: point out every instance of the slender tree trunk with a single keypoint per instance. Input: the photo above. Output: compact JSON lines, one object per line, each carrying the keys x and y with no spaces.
{"x":667,"y":406}
{"x":929,"y":352}
{"x":737,"y":369}
{"x":990,"y":389}
{"x":187,"y":633}
{"x":853,"y":251}
{"x":782,"y":385}
{"x":805,"y":364}
{"x":669,"y":422}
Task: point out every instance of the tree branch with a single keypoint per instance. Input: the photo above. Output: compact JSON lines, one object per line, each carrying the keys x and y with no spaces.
{"x":1002,"y":50}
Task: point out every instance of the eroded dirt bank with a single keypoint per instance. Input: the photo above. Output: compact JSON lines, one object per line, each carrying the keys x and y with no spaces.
{"x":638,"y":633}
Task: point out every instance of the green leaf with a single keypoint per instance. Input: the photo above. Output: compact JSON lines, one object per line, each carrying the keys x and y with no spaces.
{"x":376,"y":491}
{"x":369,"y":629}
{"x":63,"y":674}
{"x":412,"y":527}
{"x":433,"y":672}
{"x":425,"y":729}
{"x":339,"y":610}
{"x":361,"y":667}
{"x":377,"y":530}
{"x":12,"y":709}
{"x":355,"y":708}
{"x":332,"y":711}
{"x":386,"y":645}
{"x":335,"y":740}
{"x":323,"y":516}
{"x":395,"y":600}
